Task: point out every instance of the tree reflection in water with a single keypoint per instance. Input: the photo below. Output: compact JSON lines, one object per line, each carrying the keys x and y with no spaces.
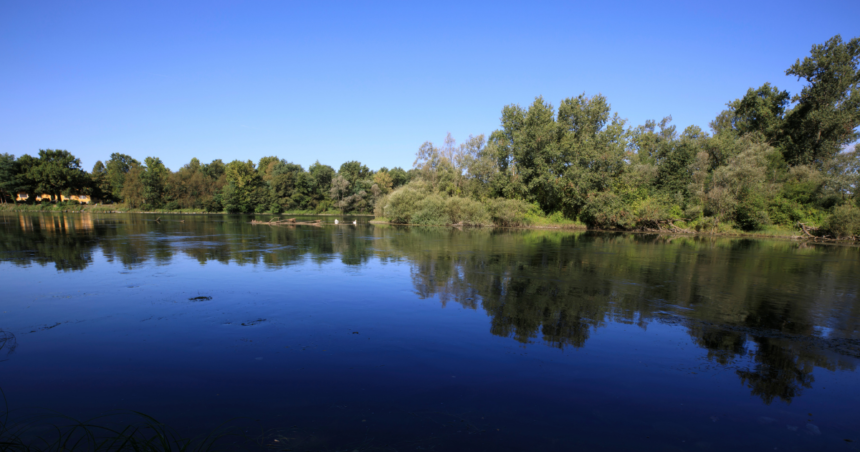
{"x":737,"y":298}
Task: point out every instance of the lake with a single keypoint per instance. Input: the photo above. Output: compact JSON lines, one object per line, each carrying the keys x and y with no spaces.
{"x":376,"y":337}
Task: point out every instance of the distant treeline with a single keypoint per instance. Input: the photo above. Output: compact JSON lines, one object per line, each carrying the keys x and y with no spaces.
{"x":770,"y":159}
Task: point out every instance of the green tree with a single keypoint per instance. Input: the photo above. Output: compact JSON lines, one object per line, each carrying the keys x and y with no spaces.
{"x":245,"y":190}
{"x":321,"y":177}
{"x":190,"y":187}
{"x":214,"y":170}
{"x":675,"y":165}
{"x":57,"y":173}
{"x":827,"y":114}
{"x":761,"y":111}
{"x":26,"y":180}
{"x":291,"y":187}
{"x":8,"y":178}
{"x":399,"y":177}
{"x":117,"y":168}
{"x":558,"y":161}
{"x":133,"y":189}
{"x":154,"y":180}
{"x":100,"y":187}
{"x":354,"y":171}
{"x":339,"y":190}
{"x":266,"y":166}
{"x":593,"y":147}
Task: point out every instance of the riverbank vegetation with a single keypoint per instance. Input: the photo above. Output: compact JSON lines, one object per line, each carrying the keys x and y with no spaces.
{"x":772,"y":161}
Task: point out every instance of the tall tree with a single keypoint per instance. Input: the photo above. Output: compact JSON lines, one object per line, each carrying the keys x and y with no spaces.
{"x":761,"y":111}
{"x":290,"y":186}
{"x":266,"y":166}
{"x":8,"y":178}
{"x":215,"y":169}
{"x":117,"y":168}
{"x":321,"y":177}
{"x":57,"y":173}
{"x":154,"y":180}
{"x":100,"y":184}
{"x":245,"y":190}
{"x":353,"y":171}
{"x":827,"y":114}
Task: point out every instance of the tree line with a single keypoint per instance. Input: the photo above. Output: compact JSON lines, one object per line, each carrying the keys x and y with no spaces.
{"x":770,"y":158}
{"x":271,"y":185}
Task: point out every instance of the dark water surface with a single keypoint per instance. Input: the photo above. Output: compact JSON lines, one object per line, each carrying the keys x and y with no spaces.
{"x":384,"y":338}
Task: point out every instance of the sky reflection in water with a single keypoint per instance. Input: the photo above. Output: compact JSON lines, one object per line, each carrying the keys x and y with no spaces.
{"x":385,"y":338}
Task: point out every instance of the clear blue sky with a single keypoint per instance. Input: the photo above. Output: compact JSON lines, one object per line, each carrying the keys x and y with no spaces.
{"x":371,"y":81}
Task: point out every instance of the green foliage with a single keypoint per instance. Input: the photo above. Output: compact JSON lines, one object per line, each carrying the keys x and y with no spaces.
{"x":133,"y":189}
{"x":354,"y":171}
{"x":430,"y":210}
{"x":508,"y":212}
{"x":399,"y":177}
{"x":117,"y":169}
{"x":290,"y":186}
{"x":401,"y":204}
{"x":760,"y":111}
{"x":245,"y":190}
{"x":467,"y":211}
{"x":57,"y":172}
{"x":558,"y":160}
{"x":844,"y":221}
{"x":154,"y":181}
{"x":605,"y":210}
{"x":827,"y":112}
{"x":415,"y":203}
{"x":9,"y":183}
{"x":751,"y":210}
{"x":785,"y":211}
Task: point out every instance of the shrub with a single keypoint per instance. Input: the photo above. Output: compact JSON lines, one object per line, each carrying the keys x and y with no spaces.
{"x":784,"y":211}
{"x":379,"y":206}
{"x":172,"y":205}
{"x":212,"y":205}
{"x":467,"y":211}
{"x":844,"y":221}
{"x":323,"y":206}
{"x":508,"y":212}
{"x":650,"y":213}
{"x":431,"y":210}
{"x":401,"y":204}
{"x":606,"y":210}
{"x":751,"y":211}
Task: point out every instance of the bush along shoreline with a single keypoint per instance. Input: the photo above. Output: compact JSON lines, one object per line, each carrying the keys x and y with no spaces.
{"x":529,"y":220}
{"x":772,"y":163}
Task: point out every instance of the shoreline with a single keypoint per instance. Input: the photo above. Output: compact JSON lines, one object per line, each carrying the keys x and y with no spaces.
{"x":571,"y":228}
{"x":172,"y":212}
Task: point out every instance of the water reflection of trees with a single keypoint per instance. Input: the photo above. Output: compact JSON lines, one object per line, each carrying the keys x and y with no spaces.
{"x":752,"y":305}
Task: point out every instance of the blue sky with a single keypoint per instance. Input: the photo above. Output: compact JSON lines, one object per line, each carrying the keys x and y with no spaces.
{"x":371,"y":81}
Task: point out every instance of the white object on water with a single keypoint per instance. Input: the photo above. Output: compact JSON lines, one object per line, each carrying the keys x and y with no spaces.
{"x":354,"y":221}
{"x":335,"y":221}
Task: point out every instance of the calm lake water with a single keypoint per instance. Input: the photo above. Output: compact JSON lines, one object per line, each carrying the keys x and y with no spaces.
{"x":375,"y":337}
